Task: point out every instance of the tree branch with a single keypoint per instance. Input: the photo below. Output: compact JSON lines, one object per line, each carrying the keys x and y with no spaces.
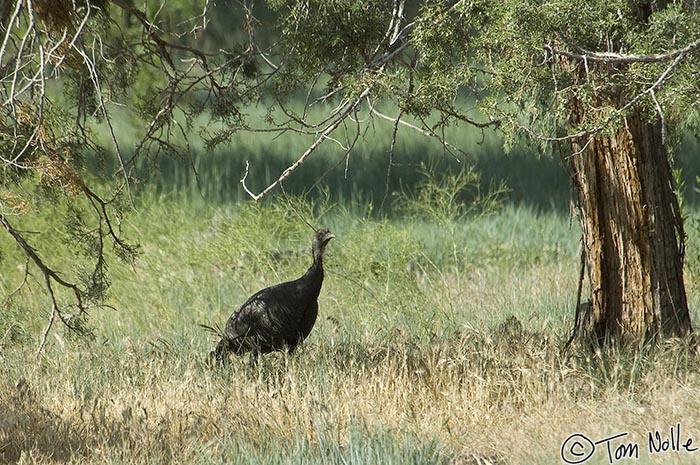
{"x":49,"y":275}
{"x":610,"y":57}
{"x":651,"y":90}
{"x":325,"y":134}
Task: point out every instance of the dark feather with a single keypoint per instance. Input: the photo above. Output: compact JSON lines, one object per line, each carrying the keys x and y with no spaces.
{"x":278,"y":317}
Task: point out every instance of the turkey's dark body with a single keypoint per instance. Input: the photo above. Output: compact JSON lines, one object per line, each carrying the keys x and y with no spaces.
{"x":278,"y":317}
{"x":275,"y":318}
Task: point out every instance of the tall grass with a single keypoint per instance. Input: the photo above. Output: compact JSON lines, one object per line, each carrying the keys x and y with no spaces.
{"x":438,"y":341}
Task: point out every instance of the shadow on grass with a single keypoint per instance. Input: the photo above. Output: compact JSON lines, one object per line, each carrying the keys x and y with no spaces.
{"x":538,"y":181}
{"x":30,"y":431}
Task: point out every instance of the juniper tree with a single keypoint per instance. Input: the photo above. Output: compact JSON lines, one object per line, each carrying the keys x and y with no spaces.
{"x":610,"y":87}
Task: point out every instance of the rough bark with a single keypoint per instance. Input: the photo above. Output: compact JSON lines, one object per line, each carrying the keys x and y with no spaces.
{"x":633,"y":234}
{"x":633,"y":237}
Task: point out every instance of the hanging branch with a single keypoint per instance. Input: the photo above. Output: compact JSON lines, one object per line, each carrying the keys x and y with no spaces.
{"x":390,"y":162}
{"x":35,"y":48}
{"x":50,"y":275}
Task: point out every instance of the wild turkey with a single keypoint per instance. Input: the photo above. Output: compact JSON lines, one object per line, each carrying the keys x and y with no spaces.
{"x":278,"y":317}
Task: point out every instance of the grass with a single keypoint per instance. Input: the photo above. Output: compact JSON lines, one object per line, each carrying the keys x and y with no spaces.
{"x":420,"y":355}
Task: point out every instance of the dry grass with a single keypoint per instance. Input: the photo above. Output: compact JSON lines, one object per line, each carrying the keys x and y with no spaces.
{"x":507,"y":396}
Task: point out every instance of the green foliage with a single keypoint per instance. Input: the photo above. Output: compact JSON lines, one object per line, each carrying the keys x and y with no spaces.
{"x":503,"y":52}
{"x":444,"y":47}
{"x":339,"y":37}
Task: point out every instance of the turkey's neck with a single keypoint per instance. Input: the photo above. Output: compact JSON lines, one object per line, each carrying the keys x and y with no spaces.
{"x":313,"y":278}
{"x":315,"y":271}
{"x":318,"y":250}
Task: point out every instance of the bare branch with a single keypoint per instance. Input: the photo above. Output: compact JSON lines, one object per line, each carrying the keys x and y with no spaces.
{"x":31,"y":253}
{"x":660,"y":114}
{"x":425,"y":132}
{"x":340,"y":117}
{"x":200,"y":21}
{"x":400,"y":44}
{"x":21,"y":284}
{"x":610,"y":57}
{"x":394,"y":29}
{"x":651,"y":89}
{"x":52,"y":318}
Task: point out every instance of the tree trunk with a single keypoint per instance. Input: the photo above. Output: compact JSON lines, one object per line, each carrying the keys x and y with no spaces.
{"x":633,"y":234}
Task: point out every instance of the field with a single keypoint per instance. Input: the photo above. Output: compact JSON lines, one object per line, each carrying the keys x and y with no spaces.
{"x":439,"y":341}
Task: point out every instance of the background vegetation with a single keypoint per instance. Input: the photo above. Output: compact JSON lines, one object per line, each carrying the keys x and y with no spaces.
{"x":531,"y":177}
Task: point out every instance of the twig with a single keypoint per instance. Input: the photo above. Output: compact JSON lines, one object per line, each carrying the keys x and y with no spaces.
{"x":52,"y":318}
{"x":22,"y":284}
{"x":294,"y":209}
{"x":390,"y":164}
{"x":425,"y":132}
{"x":577,"y":317}
{"x":103,"y":107}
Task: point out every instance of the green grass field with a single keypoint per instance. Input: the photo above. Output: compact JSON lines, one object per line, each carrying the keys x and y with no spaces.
{"x":439,"y":340}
